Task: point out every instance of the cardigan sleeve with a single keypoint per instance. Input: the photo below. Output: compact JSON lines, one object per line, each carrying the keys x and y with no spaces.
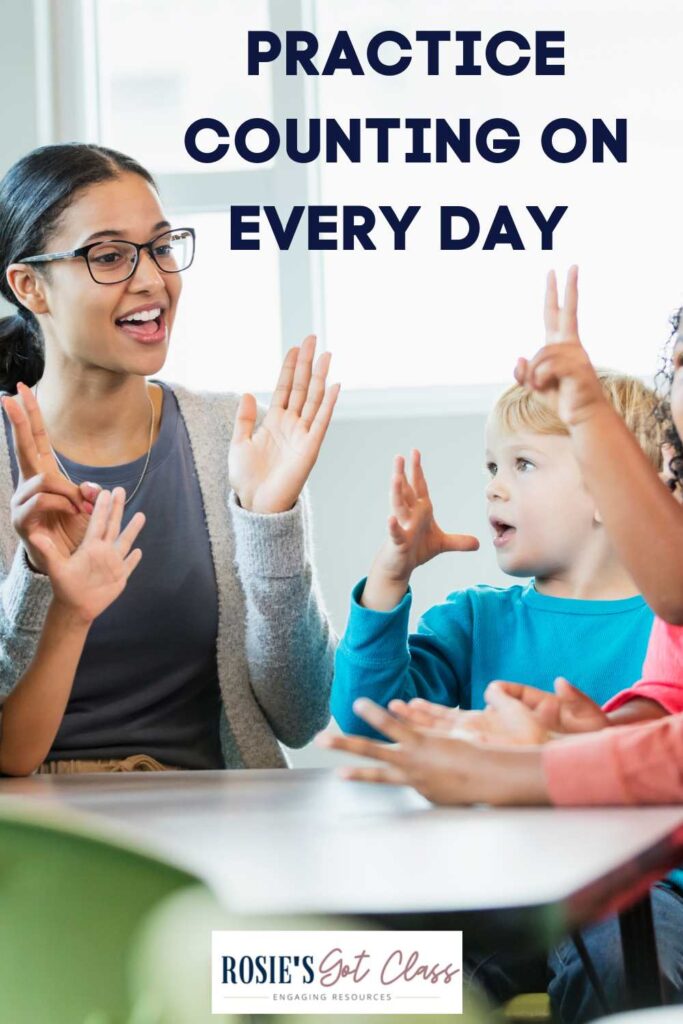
{"x":289,"y":639}
{"x":25,"y":597}
{"x":629,"y":764}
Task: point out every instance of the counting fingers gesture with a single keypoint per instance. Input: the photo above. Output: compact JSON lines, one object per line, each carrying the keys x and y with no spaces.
{"x":561,"y":372}
{"x":414,"y":535}
{"x":44,"y":500}
{"x":88,"y":580}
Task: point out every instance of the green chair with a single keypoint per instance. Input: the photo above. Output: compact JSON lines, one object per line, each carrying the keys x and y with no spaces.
{"x":71,"y":902}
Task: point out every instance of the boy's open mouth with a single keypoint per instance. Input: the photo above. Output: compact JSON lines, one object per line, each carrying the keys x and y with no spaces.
{"x":502,"y":531}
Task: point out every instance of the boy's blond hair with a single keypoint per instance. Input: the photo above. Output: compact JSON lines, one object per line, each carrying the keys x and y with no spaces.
{"x":519,"y":409}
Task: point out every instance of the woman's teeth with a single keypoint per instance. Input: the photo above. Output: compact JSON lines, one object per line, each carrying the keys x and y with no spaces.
{"x":142,"y":316}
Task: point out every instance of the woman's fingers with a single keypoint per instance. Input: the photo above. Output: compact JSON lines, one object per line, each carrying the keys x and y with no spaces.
{"x":113,"y":527}
{"x":100,"y":515}
{"x":324,"y":414}
{"x":132,"y":561}
{"x":316,"y":389}
{"x":302,"y":375}
{"x":24,"y":444}
{"x":49,"y":483}
{"x":44,"y":545}
{"x":129,"y":534}
{"x":381,"y":773}
{"x":245,"y":418}
{"x":41,"y":503}
{"x":284,"y":383}
{"x":36,"y":422}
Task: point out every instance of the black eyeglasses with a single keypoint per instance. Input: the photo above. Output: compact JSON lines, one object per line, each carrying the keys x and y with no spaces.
{"x":115,"y":261}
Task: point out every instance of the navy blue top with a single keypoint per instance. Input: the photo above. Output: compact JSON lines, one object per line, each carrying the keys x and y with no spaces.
{"x":147,"y":681}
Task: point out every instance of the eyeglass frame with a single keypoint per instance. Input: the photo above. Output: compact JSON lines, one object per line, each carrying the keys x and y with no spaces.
{"x":83,"y":251}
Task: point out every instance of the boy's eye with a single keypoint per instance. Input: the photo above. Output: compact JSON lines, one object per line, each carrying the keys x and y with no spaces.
{"x":491,"y":468}
{"x":524,"y":465}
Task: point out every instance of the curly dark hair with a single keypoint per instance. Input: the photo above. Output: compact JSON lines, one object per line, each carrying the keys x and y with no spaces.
{"x":663,"y":382}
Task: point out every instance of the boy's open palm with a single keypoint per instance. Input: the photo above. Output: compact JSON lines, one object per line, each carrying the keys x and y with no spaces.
{"x":414,"y":535}
{"x":90,"y":579}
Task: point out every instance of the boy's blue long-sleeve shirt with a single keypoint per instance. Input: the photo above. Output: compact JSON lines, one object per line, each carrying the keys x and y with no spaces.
{"x":486,"y":633}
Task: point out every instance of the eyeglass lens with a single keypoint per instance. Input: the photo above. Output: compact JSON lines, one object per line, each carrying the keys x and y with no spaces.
{"x":114,"y":261}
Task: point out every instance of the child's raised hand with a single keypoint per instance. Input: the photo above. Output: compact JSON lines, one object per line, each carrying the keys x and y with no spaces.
{"x":89,"y":580}
{"x":414,"y":535}
{"x":561,"y":371}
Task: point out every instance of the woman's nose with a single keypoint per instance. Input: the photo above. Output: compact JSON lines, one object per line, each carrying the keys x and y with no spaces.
{"x":147,"y":274}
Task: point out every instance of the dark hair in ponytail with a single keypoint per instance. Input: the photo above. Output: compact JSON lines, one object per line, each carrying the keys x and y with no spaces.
{"x":34,"y":194}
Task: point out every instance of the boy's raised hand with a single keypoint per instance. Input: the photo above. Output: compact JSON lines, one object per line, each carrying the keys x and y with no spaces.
{"x":89,"y":580}
{"x":561,"y":371}
{"x":414,"y":536}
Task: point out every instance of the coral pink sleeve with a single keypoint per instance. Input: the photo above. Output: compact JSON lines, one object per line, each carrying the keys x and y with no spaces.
{"x":662,"y":672}
{"x":634,"y":764}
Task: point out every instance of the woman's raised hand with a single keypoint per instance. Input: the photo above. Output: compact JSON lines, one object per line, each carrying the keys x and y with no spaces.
{"x":561,"y":372}
{"x":414,"y":535}
{"x":269,"y":466}
{"x":94,"y":575}
{"x":44,"y":500}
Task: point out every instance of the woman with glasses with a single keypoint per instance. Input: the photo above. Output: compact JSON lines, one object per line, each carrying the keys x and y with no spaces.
{"x":218,"y":649}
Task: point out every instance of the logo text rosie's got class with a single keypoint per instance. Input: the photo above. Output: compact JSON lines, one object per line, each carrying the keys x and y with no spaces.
{"x":400,"y":965}
{"x":283,"y":971}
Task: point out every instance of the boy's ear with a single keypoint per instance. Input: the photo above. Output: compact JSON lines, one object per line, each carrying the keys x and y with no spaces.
{"x":597,"y":518}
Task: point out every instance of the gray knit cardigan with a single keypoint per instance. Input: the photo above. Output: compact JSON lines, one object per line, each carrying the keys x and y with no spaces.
{"x":275,"y":645}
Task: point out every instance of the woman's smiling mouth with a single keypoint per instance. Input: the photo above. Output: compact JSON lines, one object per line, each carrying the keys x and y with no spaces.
{"x":144,"y":325}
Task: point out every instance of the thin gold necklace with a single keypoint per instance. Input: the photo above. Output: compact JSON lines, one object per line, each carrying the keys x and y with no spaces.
{"x":144,"y":468}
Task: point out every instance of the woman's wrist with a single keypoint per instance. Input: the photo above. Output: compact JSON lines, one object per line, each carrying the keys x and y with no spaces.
{"x":68,"y":619}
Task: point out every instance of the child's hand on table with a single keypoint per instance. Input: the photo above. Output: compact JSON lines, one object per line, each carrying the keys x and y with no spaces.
{"x":414,"y":538}
{"x":512,"y":724}
{"x":444,"y":769}
{"x":92,"y":577}
{"x":561,"y":371}
{"x":514,"y":713}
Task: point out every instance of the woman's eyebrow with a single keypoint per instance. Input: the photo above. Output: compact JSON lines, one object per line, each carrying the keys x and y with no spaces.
{"x":108,"y":232}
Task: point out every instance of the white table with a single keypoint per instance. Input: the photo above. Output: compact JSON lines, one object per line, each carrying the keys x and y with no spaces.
{"x":298,"y":842}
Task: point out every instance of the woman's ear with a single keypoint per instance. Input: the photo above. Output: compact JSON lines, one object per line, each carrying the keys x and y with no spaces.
{"x":597,"y":518}
{"x":27,"y":287}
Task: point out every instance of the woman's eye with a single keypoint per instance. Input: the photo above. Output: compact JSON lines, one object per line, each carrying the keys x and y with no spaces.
{"x":108,"y":258}
{"x":163,"y":250}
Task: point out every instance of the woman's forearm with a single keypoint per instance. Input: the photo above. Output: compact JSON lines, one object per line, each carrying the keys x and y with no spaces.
{"x":644,"y":521}
{"x":33,"y":711}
